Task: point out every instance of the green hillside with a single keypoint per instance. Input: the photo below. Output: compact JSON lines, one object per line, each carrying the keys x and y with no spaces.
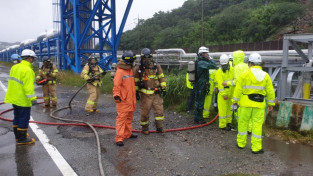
{"x":225,"y":22}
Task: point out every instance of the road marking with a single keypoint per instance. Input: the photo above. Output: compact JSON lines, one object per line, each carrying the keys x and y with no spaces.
{"x":3,"y":87}
{"x":57,"y":158}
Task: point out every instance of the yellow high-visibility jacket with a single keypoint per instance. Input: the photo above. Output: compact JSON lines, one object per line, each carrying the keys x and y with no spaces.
{"x":188,"y":83}
{"x":254,"y":81}
{"x":220,"y":77}
{"x":212,"y":81}
{"x":21,"y":89}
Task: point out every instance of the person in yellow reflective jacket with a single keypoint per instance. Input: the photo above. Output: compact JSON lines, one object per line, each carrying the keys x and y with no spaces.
{"x":21,"y":95}
{"x":251,"y":89}
{"x":224,"y":74}
{"x":239,"y":68}
{"x":208,"y":97}
{"x":92,"y":74}
{"x":191,"y":94}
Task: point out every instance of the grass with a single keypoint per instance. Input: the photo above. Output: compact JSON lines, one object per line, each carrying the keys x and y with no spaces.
{"x":303,"y":137}
{"x":69,"y":78}
{"x":7,"y":64}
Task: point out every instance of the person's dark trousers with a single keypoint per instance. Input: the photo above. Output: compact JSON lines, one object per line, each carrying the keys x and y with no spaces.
{"x":21,"y":116}
{"x":190,"y":99}
{"x":199,"y":104}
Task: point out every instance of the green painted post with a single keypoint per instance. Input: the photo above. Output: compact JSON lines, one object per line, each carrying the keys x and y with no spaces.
{"x":284,"y":114}
{"x":307,"y":119}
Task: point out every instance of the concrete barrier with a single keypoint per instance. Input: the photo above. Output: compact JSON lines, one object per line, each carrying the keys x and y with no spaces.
{"x":291,"y":115}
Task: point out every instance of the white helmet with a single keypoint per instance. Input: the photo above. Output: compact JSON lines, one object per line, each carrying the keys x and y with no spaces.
{"x":224,"y":59}
{"x":28,"y":53}
{"x":203,"y":49}
{"x":255,"y":58}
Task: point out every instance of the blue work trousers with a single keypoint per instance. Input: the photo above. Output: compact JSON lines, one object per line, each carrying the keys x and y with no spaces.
{"x":191,"y":99}
{"x":21,"y":116}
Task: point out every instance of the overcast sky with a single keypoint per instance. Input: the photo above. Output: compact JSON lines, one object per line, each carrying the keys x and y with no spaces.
{"x":27,"y":19}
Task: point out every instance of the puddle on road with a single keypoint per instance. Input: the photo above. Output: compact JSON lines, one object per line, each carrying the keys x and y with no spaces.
{"x":298,"y":157}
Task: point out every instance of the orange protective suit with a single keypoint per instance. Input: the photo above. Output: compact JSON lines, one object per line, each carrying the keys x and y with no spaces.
{"x":124,"y":87}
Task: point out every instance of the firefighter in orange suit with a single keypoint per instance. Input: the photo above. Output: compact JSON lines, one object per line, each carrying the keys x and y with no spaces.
{"x":47,"y":78}
{"x":150,"y":84}
{"x":92,"y":74}
{"x":124,"y":93}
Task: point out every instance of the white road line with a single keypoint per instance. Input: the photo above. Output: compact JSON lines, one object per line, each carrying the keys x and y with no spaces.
{"x":3,"y":86}
{"x":58,"y":159}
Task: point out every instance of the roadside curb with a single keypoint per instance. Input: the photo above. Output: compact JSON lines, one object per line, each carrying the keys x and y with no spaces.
{"x":291,"y":115}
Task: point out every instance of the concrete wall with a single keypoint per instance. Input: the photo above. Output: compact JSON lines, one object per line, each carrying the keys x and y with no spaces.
{"x":291,"y":115}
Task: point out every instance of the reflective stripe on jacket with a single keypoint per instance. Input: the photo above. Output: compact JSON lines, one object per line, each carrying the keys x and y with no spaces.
{"x":248,"y":84}
{"x":42,"y":73}
{"x":152,"y":78}
{"x":124,"y":87}
{"x":21,"y":85}
{"x":86,"y":74}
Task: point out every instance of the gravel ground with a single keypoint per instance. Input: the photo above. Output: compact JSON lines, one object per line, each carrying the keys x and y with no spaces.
{"x":202,"y":151}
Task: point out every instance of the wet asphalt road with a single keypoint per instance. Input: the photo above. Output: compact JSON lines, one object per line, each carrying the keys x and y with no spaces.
{"x":202,"y":151}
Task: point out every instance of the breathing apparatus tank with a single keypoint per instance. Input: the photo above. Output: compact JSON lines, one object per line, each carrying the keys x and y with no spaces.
{"x":113,"y":70}
{"x":191,"y":71}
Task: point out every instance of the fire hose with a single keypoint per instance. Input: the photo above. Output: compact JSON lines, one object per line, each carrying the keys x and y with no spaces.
{"x":83,"y":123}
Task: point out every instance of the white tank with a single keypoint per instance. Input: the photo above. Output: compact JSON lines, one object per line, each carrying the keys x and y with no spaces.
{"x":191,"y":71}
{"x":113,"y":70}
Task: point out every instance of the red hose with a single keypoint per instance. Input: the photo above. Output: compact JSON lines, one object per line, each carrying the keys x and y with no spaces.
{"x":104,"y":126}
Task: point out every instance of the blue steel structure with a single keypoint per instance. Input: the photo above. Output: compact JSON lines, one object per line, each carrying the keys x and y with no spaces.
{"x":84,"y":24}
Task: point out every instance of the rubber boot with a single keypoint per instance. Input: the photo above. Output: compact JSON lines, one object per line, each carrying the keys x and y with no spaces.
{"x":160,"y":130}
{"x":22,"y":137}
{"x":45,"y":106}
{"x":16,"y":134}
{"x":145,"y":129}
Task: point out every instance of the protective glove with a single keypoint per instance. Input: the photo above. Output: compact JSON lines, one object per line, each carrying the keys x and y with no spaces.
{"x":34,"y":103}
{"x":117,"y":99}
{"x":103,"y":73}
{"x":48,"y":74}
{"x":137,"y":96}
{"x":90,"y":80}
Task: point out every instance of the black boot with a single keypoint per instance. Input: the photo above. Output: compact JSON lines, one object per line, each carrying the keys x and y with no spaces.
{"x":201,"y":121}
{"x":228,"y":127}
{"x":22,"y":137}
{"x":160,"y":130}
{"x":133,"y":136}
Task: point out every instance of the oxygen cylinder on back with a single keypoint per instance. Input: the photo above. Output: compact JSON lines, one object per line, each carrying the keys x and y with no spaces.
{"x":113,"y":70}
{"x":191,"y":71}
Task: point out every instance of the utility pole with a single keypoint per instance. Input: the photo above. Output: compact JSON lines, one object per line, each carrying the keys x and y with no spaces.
{"x":138,"y":34}
{"x":202,"y":31}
